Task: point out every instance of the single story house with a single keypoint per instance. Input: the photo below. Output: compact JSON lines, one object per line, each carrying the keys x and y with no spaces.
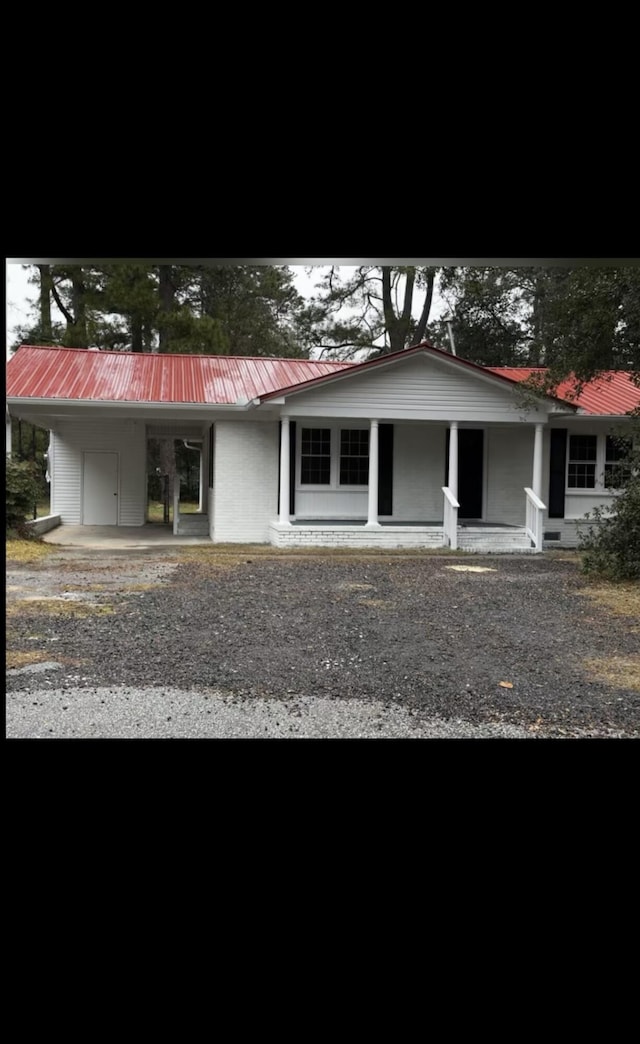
{"x":414,"y":449}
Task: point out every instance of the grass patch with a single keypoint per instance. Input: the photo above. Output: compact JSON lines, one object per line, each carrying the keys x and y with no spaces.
{"x":622,"y":672}
{"x":71,"y":588}
{"x":140,"y":587}
{"x":56,"y":607}
{"x":15,"y":658}
{"x":155,"y":510}
{"x":622,"y":599}
{"x":245,"y":552}
{"x":28,"y":550}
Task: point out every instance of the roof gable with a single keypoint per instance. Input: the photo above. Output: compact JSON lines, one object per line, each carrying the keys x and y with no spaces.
{"x":422,"y":382}
{"x":390,"y":359}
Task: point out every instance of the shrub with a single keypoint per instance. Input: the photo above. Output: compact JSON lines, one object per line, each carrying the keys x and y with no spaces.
{"x":612,"y":551}
{"x":23,"y":482}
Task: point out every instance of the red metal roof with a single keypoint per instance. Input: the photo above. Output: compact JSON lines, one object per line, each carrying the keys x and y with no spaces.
{"x":74,"y":373}
{"x":78,"y":374}
{"x":612,"y":394}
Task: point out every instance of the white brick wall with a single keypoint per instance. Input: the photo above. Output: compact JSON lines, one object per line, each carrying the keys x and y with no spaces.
{"x":509,"y":470}
{"x":569,"y":531}
{"x":418,"y":472}
{"x":355,"y":536}
{"x":245,"y":498}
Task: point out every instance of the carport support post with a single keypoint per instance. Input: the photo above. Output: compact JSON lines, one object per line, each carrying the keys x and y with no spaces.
{"x":285,"y":469}
{"x":9,"y":446}
{"x":453,"y":458}
{"x":536,"y":484}
{"x":372,"y":519}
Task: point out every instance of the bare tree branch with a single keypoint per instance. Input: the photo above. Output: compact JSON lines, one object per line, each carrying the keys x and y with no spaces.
{"x":426,"y":309}
{"x":56,"y":296}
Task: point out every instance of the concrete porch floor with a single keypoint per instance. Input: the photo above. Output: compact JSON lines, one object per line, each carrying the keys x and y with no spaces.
{"x":120,"y":537}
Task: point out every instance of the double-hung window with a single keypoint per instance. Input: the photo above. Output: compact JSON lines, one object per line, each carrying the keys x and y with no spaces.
{"x":354,"y":457}
{"x":334,"y":457}
{"x":315,"y":457}
{"x":598,"y":462}
{"x":583,"y":453}
{"x":616,"y":466}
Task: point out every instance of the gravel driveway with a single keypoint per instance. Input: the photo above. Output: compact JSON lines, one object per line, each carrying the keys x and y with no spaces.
{"x":251,"y":643}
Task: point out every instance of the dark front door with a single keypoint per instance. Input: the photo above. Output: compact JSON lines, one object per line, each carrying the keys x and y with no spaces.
{"x":470,"y":471}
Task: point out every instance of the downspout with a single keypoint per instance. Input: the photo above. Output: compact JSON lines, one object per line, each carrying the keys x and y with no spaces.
{"x":199,"y":449}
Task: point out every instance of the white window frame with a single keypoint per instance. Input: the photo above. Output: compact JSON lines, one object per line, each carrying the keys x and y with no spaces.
{"x":307,"y":485}
{"x":600,"y":461}
{"x":334,"y":483}
{"x":597,"y":463}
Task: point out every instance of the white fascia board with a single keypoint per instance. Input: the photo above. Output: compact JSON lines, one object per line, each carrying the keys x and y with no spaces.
{"x":96,"y":408}
{"x":589,"y":419}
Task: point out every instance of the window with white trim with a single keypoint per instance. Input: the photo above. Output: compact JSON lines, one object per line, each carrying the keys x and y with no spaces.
{"x":597,"y":462}
{"x":354,"y":456}
{"x":315,"y":457}
{"x":335,"y":458}
{"x":617,"y":470}
{"x":583,"y":454}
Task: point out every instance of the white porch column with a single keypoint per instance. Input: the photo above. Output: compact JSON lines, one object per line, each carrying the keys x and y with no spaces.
{"x":201,"y":498}
{"x":536,"y":483}
{"x":285,"y":472}
{"x":453,"y":458}
{"x":372,"y":520}
{"x":8,"y":420}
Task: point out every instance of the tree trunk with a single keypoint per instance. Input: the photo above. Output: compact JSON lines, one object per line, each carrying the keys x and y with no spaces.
{"x":46,"y":283}
{"x":167,"y":306}
{"x":424,"y":318}
{"x":168,"y":463}
{"x":397,"y":326}
{"x":77,"y":330}
{"x":536,"y":352}
{"x":137,"y":343}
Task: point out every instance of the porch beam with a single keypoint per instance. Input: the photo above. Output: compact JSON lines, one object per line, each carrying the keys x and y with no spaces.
{"x":453,"y":458}
{"x":536,"y":483}
{"x":285,"y":471}
{"x":372,"y":516}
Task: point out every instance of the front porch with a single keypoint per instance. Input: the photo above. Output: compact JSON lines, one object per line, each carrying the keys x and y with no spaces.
{"x":342,"y":486}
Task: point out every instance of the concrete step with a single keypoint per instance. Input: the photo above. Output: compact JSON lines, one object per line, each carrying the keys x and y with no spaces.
{"x":193,"y":525}
{"x":497,"y":540}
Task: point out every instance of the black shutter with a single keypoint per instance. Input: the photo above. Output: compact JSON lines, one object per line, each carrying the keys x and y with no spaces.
{"x":211,"y":449}
{"x":292,"y":467}
{"x":385,"y":469}
{"x":557,"y":472}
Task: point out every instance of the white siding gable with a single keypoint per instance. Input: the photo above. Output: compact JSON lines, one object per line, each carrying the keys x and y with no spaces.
{"x":418,"y":388}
